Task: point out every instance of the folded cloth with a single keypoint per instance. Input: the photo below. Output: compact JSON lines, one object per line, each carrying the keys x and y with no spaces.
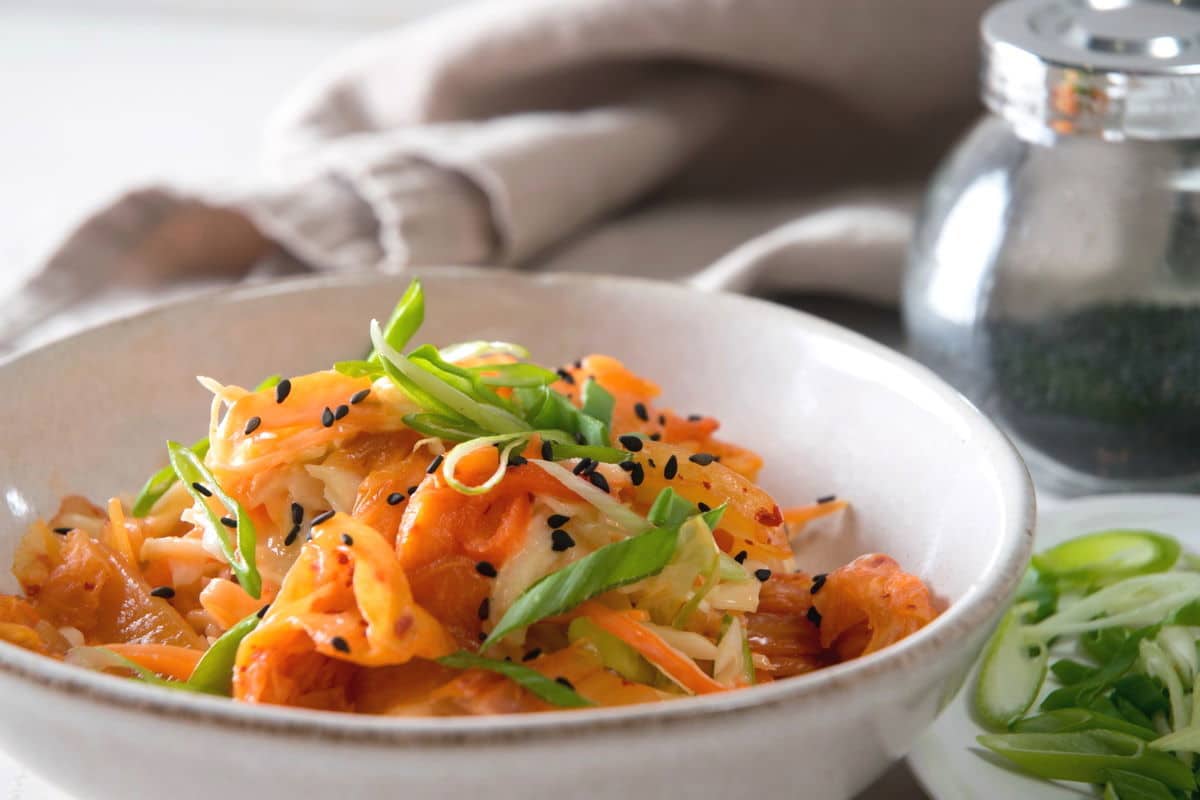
{"x":742,"y":144}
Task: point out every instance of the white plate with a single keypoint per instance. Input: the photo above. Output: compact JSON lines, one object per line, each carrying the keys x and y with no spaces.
{"x":946,"y":759}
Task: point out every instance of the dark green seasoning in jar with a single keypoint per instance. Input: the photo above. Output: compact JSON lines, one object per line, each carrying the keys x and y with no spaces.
{"x":1112,"y":390}
{"x":1054,"y":272}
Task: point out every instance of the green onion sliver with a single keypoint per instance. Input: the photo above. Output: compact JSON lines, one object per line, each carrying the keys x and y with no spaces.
{"x":161,"y":481}
{"x":191,"y":470}
{"x":1087,"y":756}
{"x":1109,"y":555}
{"x":214,"y":672}
{"x":488,"y":417}
{"x":406,"y":318}
{"x":614,"y":565}
{"x":1135,"y":602}
{"x":551,"y":691}
{"x":464,"y":350}
{"x":1011,"y":675}
{"x":506,"y":441}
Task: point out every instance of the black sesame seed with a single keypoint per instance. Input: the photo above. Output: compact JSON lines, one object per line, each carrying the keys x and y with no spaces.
{"x":583,"y":466}
{"x":347,"y":540}
{"x":599,"y":481}
{"x":818,"y":583}
{"x":814,"y":616}
{"x":532,"y":654}
{"x":560,"y":679}
{"x":485,"y":608}
{"x":557,"y":520}
{"x":282,"y":390}
{"x":486,"y":569}
{"x":561,"y":540}
{"x":252,"y":425}
{"x":662,"y":419}
{"x":229,"y":522}
{"x":433,"y":465}
{"x":578,"y":363}
{"x":704,"y":507}
{"x":262,"y":612}
{"x":202,"y":489}
{"x":359,"y":396}
{"x":763,"y":574}
{"x":517,"y":461}
{"x":412,"y":490}
{"x":547,"y":451}
{"x":631,"y":443}
{"x":323,"y":517}
{"x":566,"y":376}
{"x":579,"y":440}
{"x":703,"y":459}
{"x":695,"y":417}
{"x":290,"y":539}
{"x":340,"y":644}
{"x":671,"y":469}
{"x":395,"y":498}
{"x":829,"y":498}
{"x":63,"y":531}
{"x":297,"y":513}
{"x":640,"y":410}
{"x":327,"y":417}
{"x":341,"y":411}
{"x":741,"y":557}
{"x":627,"y":466}
{"x":650,"y":461}
{"x":482,"y":636}
{"x":165,"y":592}
{"x":656,"y":437}
{"x":637,"y":475}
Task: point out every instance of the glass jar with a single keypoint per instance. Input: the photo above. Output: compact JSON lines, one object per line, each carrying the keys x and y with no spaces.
{"x":1054,"y":275}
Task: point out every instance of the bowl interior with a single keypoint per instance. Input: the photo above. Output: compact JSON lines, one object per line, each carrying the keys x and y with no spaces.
{"x":931,"y":483}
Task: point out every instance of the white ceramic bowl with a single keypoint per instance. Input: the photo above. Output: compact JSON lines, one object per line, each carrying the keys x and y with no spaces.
{"x":932,"y":482}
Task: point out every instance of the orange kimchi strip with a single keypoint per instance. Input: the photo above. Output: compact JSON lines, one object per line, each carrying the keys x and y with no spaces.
{"x":91,"y":588}
{"x":345,"y":600}
{"x":871,"y":603}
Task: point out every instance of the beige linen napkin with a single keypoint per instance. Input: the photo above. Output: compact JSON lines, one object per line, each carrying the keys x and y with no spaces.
{"x":744,"y":144}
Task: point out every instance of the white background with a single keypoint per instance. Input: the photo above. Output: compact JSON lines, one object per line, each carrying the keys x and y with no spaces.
{"x":100,"y":95}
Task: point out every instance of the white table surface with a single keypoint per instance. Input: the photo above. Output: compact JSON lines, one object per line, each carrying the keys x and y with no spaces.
{"x":95,"y":103}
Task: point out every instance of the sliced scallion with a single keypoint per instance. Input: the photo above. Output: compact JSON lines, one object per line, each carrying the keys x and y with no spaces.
{"x":552,"y":691}
{"x":438,"y":397}
{"x":214,"y":672}
{"x":406,"y":318}
{"x":191,"y":470}
{"x":1011,"y":675}
{"x":161,"y":481}
{"x":1108,"y":556}
{"x":614,"y":565}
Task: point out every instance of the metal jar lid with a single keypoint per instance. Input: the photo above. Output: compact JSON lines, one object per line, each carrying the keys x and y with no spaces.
{"x":1116,"y":69}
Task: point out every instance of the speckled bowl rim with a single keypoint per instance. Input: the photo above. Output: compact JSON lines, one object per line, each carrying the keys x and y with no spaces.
{"x":981,"y":603}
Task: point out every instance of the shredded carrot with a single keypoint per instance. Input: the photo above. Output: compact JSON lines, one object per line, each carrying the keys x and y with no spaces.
{"x":165,"y":659}
{"x":679,"y":667}
{"x":227,"y":603}
{"x":117,"y":535}
{"x":803,"y":515}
